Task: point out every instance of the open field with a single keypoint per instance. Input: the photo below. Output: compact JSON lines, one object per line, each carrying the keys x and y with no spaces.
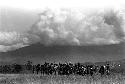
{"x":38,"y":79}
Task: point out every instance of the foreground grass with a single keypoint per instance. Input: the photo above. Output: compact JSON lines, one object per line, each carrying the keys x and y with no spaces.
{"x":38,"y":79}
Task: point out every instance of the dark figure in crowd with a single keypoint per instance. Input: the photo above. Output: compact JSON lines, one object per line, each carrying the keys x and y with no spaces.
{"x":46,"y":68}
{"x":37,"y":68}
{"x":107,"y":69}
{"x":91,"y":70}
{"x":102,"y":70}
{"x":56,"y":68}
{"x":33,"y":68}
{"x":42,"y":69}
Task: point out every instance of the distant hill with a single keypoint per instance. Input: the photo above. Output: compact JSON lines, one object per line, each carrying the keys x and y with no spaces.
{"x":43,"y":53}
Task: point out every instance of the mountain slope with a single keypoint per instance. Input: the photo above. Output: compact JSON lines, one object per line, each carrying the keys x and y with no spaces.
{"x":38,"y":52}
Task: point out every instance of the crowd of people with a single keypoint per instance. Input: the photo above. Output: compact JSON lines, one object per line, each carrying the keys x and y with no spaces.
{"x":70,"y":69}
{"x":57,"y":69}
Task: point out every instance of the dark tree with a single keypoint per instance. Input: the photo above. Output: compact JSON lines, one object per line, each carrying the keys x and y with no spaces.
{"x":17,"y":68}
{"x":29,"y":65}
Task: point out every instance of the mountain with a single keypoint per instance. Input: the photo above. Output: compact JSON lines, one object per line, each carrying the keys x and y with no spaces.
{"x":41,"y":53}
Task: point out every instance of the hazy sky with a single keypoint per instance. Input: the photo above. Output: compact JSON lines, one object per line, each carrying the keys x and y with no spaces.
{"x":15,"y":19}
{"x":64,"y":32}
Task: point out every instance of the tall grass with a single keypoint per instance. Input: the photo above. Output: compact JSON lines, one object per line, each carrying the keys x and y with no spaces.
{"x":38,"y":79}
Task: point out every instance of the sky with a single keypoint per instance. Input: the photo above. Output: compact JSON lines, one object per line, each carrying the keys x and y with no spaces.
{"x":78,"y":30}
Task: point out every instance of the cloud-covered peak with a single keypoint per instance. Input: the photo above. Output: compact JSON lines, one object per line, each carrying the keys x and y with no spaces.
{"x":79,"y":27}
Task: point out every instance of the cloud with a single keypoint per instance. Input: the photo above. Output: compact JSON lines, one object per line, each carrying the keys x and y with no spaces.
{"x":78,"y":27}
{"x":12,"y":40}
{"x":4,"y":48}
{"x":69,"y":27}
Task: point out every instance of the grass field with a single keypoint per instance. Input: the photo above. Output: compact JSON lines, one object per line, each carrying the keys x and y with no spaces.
{"x":38,"y":79}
